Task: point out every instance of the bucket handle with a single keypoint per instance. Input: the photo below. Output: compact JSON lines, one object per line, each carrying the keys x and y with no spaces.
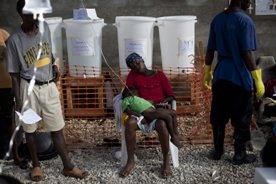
{"x":116,"y":24}
{"x":159,"y":23}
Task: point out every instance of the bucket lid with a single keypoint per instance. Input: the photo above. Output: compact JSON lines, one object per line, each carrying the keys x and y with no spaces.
{"x":135,"y":18}
{"x":83,"y":21}
{"x":177,"y":18}
{"x":51,"y":20}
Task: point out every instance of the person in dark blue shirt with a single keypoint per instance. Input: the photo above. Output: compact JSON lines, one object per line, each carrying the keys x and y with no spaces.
{"x":232,"y":35}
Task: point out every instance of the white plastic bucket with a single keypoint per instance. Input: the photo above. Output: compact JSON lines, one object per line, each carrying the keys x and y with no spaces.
{"x":84,"y":43}
{"x":177,"y":41}
{"x":135,"y":34}
{"x":55,"y":24}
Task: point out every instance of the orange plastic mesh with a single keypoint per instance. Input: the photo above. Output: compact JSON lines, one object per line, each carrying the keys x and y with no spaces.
{"x":87,"y":95}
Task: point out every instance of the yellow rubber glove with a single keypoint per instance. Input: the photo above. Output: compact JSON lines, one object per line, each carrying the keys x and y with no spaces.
{"x":207,"y":81}
{"x":257,"y":76}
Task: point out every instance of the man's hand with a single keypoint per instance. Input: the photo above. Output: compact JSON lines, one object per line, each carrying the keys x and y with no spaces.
{"x":257,"y":76}
{"x":56,"y":73}
{"x":18,"y":105}
{"x":207,"y":81}
{"x":163,"y":105}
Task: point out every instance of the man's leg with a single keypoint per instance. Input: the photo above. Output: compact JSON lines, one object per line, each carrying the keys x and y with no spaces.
{"x":218,"y":139}
{"x":219,"y":116}
{"x":167,"y":116}
{"x":130,"y":136}
{"x":163,"y":135}
{"x":31,"y":143}
{"x":242,"y":111}
{"x":59,"y":143}
{"x":241,"y":136}
{"x":36,"y":174}
{"x":69,"y":169}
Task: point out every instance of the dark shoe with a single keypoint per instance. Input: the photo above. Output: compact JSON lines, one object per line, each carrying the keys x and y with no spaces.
{"x":216,"y":155}
{"x":240,"y":159}
{"x":23,"y":164}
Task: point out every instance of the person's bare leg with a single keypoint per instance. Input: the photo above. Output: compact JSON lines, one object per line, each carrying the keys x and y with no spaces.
{"x":175,"y":130}
{"x":175,"y":125}
{"x":16,"y":157}
{"x":130,"y":136}
{"x":167,"y":116}
{"x":163,"y":135}
{"x":59,"y":143}
{"x":31,"y":143}
{"x":69,"y":168}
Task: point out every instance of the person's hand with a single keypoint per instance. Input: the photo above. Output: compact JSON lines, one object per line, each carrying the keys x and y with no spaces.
{"x":257,"y":77}
{"x":208,"y":76}
{"x":18,"y":105}
{"x":144,"y":121}
{"x":163,"y":105}
{"x":56,"y":73}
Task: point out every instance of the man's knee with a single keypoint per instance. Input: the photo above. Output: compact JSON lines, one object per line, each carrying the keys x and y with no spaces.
{"x":131,"y":124}
{"x":161,"y":127}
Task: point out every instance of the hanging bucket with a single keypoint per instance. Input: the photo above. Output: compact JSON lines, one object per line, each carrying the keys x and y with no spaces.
{"x":84,"y":43}
{"x":177,"y":41}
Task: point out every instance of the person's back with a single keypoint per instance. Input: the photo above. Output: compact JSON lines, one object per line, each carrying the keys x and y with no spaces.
{"x":232,"y":30}
{"x":136,"y":104}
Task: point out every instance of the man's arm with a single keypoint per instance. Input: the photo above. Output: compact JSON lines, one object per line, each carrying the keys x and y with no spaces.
{"x":207,"y":81}
{"x":249,"y":58}
{"x":131,"y":112}
{"x":209,"y":57}
{"x":16,"y":90}
{"x":255,"y":72}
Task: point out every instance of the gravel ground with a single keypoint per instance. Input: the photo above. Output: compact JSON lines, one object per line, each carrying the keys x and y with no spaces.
{"x":195,"y":168}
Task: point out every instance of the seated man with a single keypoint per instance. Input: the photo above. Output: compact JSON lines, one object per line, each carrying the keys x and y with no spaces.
{"x":155,"y":87}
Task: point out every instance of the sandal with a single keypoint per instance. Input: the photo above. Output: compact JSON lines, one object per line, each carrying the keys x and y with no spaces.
{"x":75,"y":172}
{"x":36,"y":174}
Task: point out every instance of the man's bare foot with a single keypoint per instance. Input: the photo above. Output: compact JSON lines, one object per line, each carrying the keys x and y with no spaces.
{"x":166,"y":171}
{"x":126,"y":170}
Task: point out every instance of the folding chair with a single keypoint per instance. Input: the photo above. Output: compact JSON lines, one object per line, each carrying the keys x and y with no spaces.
{"x":117,"y":100}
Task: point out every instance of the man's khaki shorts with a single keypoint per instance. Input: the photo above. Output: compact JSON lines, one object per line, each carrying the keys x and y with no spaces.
{"x":44,"y":100}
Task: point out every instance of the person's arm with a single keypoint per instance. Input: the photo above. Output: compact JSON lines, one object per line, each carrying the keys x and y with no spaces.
{"x":167,"y":88}
{"x":208,"y":76}
{"x":255,"y":72}
{"x":132,"y":113}
{"x":56,"y":72}
{"x":209,"y":57}
{"x":249,"y":58}
{"x":16,"y":90}
{"x":5,"y":35}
